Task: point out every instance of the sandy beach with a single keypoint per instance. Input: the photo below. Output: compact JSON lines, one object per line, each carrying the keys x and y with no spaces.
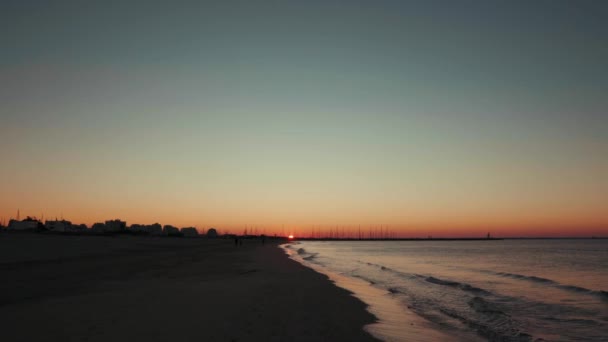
{"x":88,"y":288}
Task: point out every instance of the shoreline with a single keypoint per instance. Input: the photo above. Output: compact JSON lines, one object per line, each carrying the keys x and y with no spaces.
{"x":394,"y":321}
{"x":75,"y":288}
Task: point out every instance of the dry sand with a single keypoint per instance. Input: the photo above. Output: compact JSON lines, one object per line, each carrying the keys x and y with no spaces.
{"x":86,"y":288}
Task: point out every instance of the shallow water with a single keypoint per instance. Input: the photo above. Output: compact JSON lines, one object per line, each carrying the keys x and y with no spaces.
{"x":506,"y":290}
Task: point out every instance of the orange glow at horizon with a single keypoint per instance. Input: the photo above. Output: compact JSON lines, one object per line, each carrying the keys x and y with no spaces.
{"x":412,"y":226}
{"x":304,"y":208}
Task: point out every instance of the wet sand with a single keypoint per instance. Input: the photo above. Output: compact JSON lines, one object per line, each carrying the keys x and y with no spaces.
{"x":396,"y":322}
{"x":86,"y":288}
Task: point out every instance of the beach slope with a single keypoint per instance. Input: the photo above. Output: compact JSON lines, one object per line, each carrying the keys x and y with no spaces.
{"x":85,"y":288}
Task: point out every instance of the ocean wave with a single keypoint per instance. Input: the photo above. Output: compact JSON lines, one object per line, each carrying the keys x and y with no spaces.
{"x":311,"y":256}
{"x":441,"y":282}
{"x":393,"y":290}
{"x":485,"y":312}
{"x":306,"y":255}
{"x":390,"y":270}
{"x":291,"y":244}
{"x":490,"y":322}
{"x":600,"y":294}
{"x":539,"y":280}
{"x":481,"y":305}
{"x":455,"y":284}
{"x":434,"y":280}
{"x":588,"y":322}
{"x":486,"y":317}
{"x":526,"y":277}
{"x":448,"y":296}
{"x":494,"y":323}
{"x":382,"y":267}
{"x":469,"y":288}
{"x":370,"y":281}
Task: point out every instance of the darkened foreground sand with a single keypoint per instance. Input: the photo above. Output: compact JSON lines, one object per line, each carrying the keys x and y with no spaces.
{"x":85,"y":288}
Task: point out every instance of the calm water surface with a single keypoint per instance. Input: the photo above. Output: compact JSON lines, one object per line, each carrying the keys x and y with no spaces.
{"x":502,"y":290}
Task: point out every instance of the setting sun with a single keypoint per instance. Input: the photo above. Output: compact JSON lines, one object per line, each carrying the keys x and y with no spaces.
{"x":290,"y":237}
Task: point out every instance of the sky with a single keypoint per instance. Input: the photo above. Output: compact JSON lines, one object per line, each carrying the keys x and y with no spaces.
{"x":443,"y":118}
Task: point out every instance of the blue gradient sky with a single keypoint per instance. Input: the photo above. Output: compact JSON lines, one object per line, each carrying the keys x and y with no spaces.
{"x":435,"y":117}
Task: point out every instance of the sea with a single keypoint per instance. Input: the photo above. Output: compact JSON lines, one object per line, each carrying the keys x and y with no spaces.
{"x":483,"y":290}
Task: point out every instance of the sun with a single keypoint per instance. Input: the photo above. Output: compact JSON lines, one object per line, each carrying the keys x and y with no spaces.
{"x":290,"y":237}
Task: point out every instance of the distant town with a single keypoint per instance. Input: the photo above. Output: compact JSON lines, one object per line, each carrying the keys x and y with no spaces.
{"x":115,"y":226}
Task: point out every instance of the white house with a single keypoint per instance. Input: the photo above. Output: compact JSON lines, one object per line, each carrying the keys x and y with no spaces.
{"x":58,"y":226}
{"x":27,"y":224}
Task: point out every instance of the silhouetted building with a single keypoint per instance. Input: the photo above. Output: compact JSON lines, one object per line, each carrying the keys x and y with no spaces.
{"x":170,"y":230}
{"x":80,"y":228}
{"x":61,"y":226}
{"x":212,"y":233}
{"x":28,"y":223}
{"x":98,"y":227}
{"x":189,"y":232}
{"x":137,"y":228}
{"x":152,"y":229}
{"x":115,"y":226}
